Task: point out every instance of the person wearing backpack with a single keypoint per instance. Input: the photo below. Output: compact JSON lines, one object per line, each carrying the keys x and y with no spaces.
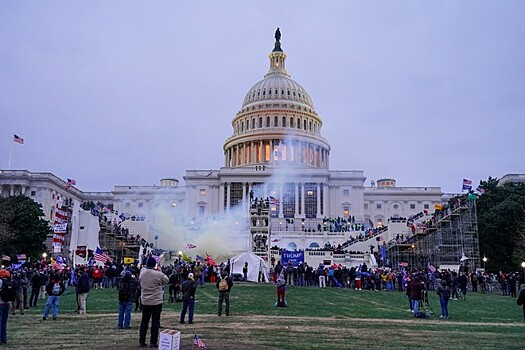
{"x":127,"y":288}
{"x":224,"y":285}
{"x":55,"y":288}
{"x":7,"y":295}
{"x":443,"y":291}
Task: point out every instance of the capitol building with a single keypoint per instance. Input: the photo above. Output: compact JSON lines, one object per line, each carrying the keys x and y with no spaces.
{"x":276,"y":151}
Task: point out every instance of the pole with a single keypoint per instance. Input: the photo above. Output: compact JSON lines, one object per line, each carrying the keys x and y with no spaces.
{"x":10,"y":156}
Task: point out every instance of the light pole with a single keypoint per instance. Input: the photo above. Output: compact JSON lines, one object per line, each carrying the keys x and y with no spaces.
{"x":484,"y":262}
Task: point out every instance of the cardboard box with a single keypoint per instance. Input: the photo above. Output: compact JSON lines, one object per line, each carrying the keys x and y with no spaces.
{"x":169,"y":339}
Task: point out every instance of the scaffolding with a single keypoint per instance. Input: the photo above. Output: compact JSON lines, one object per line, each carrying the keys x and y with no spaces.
{"x":115,"y":244}
{"x":260,"y":228}
{"x":451,"y":240}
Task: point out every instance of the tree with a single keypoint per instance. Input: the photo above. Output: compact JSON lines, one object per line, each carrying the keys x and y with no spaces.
{"x":501,"y":214}
{"x":22,"y":227}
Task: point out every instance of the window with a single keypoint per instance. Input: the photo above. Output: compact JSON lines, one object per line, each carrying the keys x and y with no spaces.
{"x":202,"y":192}
{"x":366,"y":206}
{"x":267,"y":122}
{"x":346,"y":211}
{"x":260,"y":122}
{"x":291,"y":123}
{"x":304,"y":124}
{"x":33,"y":193}
{"x":276,"y":121}
{"x":202,"y":209}
{"x":141,"y":205}
{"x":298,"y":123}
{"x":284,"y":122}
{"x":242,"y":126}
{"x":247,"y":124}
{"x":396,"y":206}
{"x":378,"y":205}
{"x":426,"y":206}
{"x":412,"y":206}
{"x":346,"y":192}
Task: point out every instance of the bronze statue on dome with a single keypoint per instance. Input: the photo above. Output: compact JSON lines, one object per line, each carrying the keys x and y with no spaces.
{"x":277,"y":46}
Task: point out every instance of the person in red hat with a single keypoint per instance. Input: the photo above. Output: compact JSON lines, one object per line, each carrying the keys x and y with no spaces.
{"x":7,"y":296}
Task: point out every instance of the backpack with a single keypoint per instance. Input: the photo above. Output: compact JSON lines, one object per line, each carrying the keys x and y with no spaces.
{"x":8,"y":292}
{"x":446,"y":293}
{"x":56,"y":289}
{"x":125,"y":292}
{"x":421,"y":315}
{"x":223,"y":285}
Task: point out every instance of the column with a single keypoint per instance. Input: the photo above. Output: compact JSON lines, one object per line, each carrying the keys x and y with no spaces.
{"x":260,"y":154}
{"x":228,"y":188}
{"x":302,"y":199}
{"x":281,"y":188}
{"x":271,"y":151}
{"x":326,"y":209}
{"x":296,"y":192}
{"x":221,"y":198}
{"x":243,"y":196}
{"x":318,"y":200}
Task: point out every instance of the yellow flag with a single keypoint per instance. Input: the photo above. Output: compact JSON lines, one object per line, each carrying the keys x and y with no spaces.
{"x":53,"y":261}
{"x":185,"y":257}
{"x":128,"y":260}
{"x":438,"y":207}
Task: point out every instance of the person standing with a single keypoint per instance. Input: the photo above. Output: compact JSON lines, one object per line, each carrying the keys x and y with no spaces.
{"x":443,"y":291}
{"x":521,"y":299}
{"x":127,"y":288}
{"x":35,"y":288}
{"x":152,"y":284}
{"x":55,"y":288}
{"x":188,"y":299}
{"x":82,"y":289}
{"x":281,"y":290}
{"x":7,"y":295}
{"x":416,"y":289}
{"x":245,"y":272}
{"x":224,"y":285}
{"x":198,"y":273}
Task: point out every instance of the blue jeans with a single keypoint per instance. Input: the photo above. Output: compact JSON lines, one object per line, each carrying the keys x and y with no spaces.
{"x":444,"y":306}
{"x":52,"y":301}
{"x":185,"y":305}
{"x":415,"y":306}
{"x":4,"y":313}
{"x":124,"y":314}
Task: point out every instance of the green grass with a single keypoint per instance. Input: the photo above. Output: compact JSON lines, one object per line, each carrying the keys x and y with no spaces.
{"x":329,"y":318}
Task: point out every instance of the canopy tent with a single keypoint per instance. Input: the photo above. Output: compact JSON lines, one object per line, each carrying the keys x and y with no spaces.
{"x":255,"y":265}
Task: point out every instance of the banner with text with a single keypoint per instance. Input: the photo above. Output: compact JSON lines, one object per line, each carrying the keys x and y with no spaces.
{"x":294,"y":257}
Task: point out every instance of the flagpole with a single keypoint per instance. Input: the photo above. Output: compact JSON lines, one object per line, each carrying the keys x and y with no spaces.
{"x":10,"y":155}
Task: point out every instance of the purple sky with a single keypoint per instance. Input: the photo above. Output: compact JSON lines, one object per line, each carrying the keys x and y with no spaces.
{"x":128,"y":92}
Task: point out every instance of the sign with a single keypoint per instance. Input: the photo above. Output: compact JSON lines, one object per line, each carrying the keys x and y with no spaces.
{"x":169,"y":340}
{"x":59,"y":228}
{"x":128,"y":260}
{"x":294,"y":257}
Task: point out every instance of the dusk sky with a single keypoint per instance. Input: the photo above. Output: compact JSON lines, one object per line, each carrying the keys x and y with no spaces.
{"x":128,"y":92}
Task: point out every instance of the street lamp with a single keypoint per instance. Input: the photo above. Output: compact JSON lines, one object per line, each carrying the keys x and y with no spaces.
{"x":44,"y":255}
{"x":180,"y":255}
{"x":484,"y":261}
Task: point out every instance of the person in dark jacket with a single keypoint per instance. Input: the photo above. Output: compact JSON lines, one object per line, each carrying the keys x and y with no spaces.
{"x":521,"y":299}
{"x":82,"y":289}
{"x":35,"y":288}
{"x":127,"y":288}
{"x":55,"y":288}
{"x":224,"y":285}
{"x":188,"y":298}
{"x":416,"y":289}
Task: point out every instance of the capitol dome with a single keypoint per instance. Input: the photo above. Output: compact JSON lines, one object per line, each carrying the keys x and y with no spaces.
{"x":277,"y":123}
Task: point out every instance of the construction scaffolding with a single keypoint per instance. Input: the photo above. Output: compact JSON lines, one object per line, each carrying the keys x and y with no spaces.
{"x":116,"y":244}
{"x":449,"y":240}
{"x":260,"y":228}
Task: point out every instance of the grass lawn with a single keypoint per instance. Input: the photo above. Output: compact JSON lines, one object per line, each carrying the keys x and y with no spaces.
{"x":330,"y":318}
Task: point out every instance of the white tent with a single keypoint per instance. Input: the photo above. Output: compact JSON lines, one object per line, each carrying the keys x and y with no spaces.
{"x":255,"y":264}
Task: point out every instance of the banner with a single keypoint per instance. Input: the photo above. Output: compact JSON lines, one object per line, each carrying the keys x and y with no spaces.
{"x":294,"y":257}
{"x":128,"y":260}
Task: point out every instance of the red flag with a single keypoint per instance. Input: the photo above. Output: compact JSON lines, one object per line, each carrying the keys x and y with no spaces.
{"x":210,"y":260}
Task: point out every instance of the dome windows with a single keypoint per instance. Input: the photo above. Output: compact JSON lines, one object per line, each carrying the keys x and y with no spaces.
{"x":284,"y":122}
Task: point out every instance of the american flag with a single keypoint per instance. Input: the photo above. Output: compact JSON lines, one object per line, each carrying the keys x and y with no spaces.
{"x":467,"y":185}
{"x":190,"y":246}
{"x":18,"y":139}
{"x":71,"y":181}
{"x":101,"y":256}
{"x":197,"y":341}
{"x":274,"y":200}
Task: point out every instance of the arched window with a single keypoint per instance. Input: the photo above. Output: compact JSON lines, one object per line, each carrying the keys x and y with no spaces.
{"x":260,"y":122}
{"x":276,"y":121}
{"x":314,"y":245}
{"x":291,"y":123}
{"x":253,"y":123}
{"x":267,"y":122}
{"x":291,"y":246}
{"x":284,"y":122}
{"x":298,"y":123}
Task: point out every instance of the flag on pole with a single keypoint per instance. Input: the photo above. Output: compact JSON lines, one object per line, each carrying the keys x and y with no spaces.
{"x":186,"y":258}
{"x":467,"y":185}
{"x":197,"y":341}
{"x":18,"y":139}
{"x":71,"y":181}
{"x":274,"y":200}
{"x":190,"y":246}
{"x":101,"y":256}
{"x":480,"y":189}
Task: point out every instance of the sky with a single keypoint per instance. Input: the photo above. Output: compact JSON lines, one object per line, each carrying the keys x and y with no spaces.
{"x":128,"y":92}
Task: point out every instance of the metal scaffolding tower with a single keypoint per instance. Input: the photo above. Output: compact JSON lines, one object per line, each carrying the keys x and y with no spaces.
{"x":260,"y":228}
{"x":450,"y":240}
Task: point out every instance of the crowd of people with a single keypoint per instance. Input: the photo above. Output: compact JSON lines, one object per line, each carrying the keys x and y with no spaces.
{"x":144,"y":287}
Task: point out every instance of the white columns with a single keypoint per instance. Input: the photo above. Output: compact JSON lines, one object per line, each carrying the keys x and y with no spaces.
{"x":228,"y":188}
{"x":296,"y":192}
{"x":221,"y":198}
{"x":318,"y":200}
{"x":302,"y":199}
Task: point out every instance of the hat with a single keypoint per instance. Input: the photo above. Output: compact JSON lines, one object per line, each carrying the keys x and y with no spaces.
{"x":4,"y":274}
{"x":151,"y":262}
{"x":190,"y":275}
